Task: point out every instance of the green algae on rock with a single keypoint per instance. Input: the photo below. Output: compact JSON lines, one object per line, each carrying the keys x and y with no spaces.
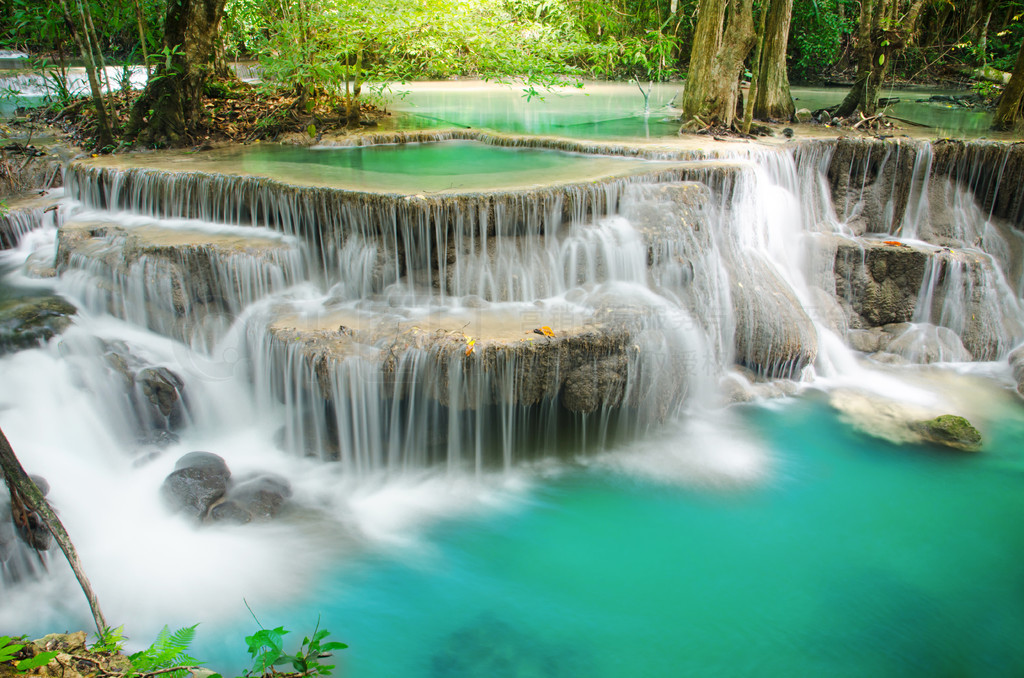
{"x":30,"y":321}
{"x":950,"y":430}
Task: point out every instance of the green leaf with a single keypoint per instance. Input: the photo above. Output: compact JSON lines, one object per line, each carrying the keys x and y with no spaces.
{"x":41,"y":659}
{"x":333,"y":645}
{"x":881,"y":59}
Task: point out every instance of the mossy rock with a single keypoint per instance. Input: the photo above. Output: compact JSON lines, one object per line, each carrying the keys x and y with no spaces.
{"x":950,"y":430}
{"x":30,"y":321}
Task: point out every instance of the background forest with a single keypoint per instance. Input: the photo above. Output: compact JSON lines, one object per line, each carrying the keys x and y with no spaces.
{"x":322,"y":50}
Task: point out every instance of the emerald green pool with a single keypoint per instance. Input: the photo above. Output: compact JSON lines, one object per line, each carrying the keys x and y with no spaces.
{"x":849,"y":557}
{"x":602,"y":110}
{"x":408,"y":168}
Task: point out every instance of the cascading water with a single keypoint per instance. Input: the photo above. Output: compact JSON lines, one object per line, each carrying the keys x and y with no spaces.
{"x":365,"y":347}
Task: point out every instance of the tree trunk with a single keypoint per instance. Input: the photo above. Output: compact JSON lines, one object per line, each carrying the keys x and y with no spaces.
{"x":755,"y":77}
{"x":170,"y":110}
{"x":711,"y":95}
{"x":25,"y":493}
{"x":1010,"y":112}
{"x":883,"y":30}
{"x":104,"y":132}
{"x":94,"y":46}
{"x":140,"y":17}
{"x":773,"y":100}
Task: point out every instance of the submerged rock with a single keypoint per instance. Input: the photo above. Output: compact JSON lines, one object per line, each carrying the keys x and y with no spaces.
{"x":1016,"y":360}
{"x":950,"y":430}
{"x":924,"y":343}
{"x":30,"y":321}
{"x":901,"y":422}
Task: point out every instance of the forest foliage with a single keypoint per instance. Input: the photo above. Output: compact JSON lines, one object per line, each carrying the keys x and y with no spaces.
{"x":336,"y":51}
{"x":542,"y":39}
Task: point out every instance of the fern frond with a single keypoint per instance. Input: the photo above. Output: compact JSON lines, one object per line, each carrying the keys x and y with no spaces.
{"x":168,"y":650}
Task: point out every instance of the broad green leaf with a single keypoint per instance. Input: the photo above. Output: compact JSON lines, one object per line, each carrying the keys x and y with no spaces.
{"x":41,"y":659}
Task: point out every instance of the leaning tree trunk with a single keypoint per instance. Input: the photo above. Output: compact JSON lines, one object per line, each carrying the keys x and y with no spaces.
{"x":883,"y":30}
{"x":141,"y":20}
{"x":104,"y":130}
{"x":712,"y":92}
{"x":773,"y":100}
{"x":869,"y":70}
{"x":1010,"y":111}
{"x":170,"y":110}
{"x":26,"y":495}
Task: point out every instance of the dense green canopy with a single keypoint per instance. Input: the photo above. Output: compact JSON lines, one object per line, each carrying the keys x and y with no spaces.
{"x":329,"y":48}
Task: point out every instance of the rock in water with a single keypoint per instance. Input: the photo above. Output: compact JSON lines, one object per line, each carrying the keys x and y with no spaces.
{"x":258,"y":499}
{"x":1017,"y":363}
{"x":199,"y":479}
{"x":950,"y":430}
{"x":29,"y":322}
{"x":163,"y":390}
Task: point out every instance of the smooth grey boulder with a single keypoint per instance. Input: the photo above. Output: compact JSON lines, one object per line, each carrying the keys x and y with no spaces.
{"x":257,"y":499}
{"x":199,"y":479}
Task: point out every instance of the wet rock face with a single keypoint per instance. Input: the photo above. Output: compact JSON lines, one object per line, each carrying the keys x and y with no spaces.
{"x":880,"y":283}
{"x":925,"y":344}
{"x":157,"y":394}
{"x":870,"y":182}
{"x":31,"y":321}
{"x":21,"y":533}
{"x":774,"y":335}
{"x":601,"y":383}
{"x":163,"y":390}
{"x":44,"y":171}
{"x":1017,"y":364}
{"x":186,"y":284}
{"x":986,"y":168}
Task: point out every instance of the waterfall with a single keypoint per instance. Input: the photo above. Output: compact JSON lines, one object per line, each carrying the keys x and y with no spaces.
{"x":372,"y":336}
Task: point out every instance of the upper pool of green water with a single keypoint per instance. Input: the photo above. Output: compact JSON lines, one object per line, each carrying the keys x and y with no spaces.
{"x":409,"y":168}
{"x":620,"y":110}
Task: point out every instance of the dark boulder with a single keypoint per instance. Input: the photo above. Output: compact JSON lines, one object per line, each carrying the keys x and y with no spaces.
{"x":32,"y":321}
{"x":257,"y":499}
{"x":198,"y":481}
{"x":162,"y":392}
